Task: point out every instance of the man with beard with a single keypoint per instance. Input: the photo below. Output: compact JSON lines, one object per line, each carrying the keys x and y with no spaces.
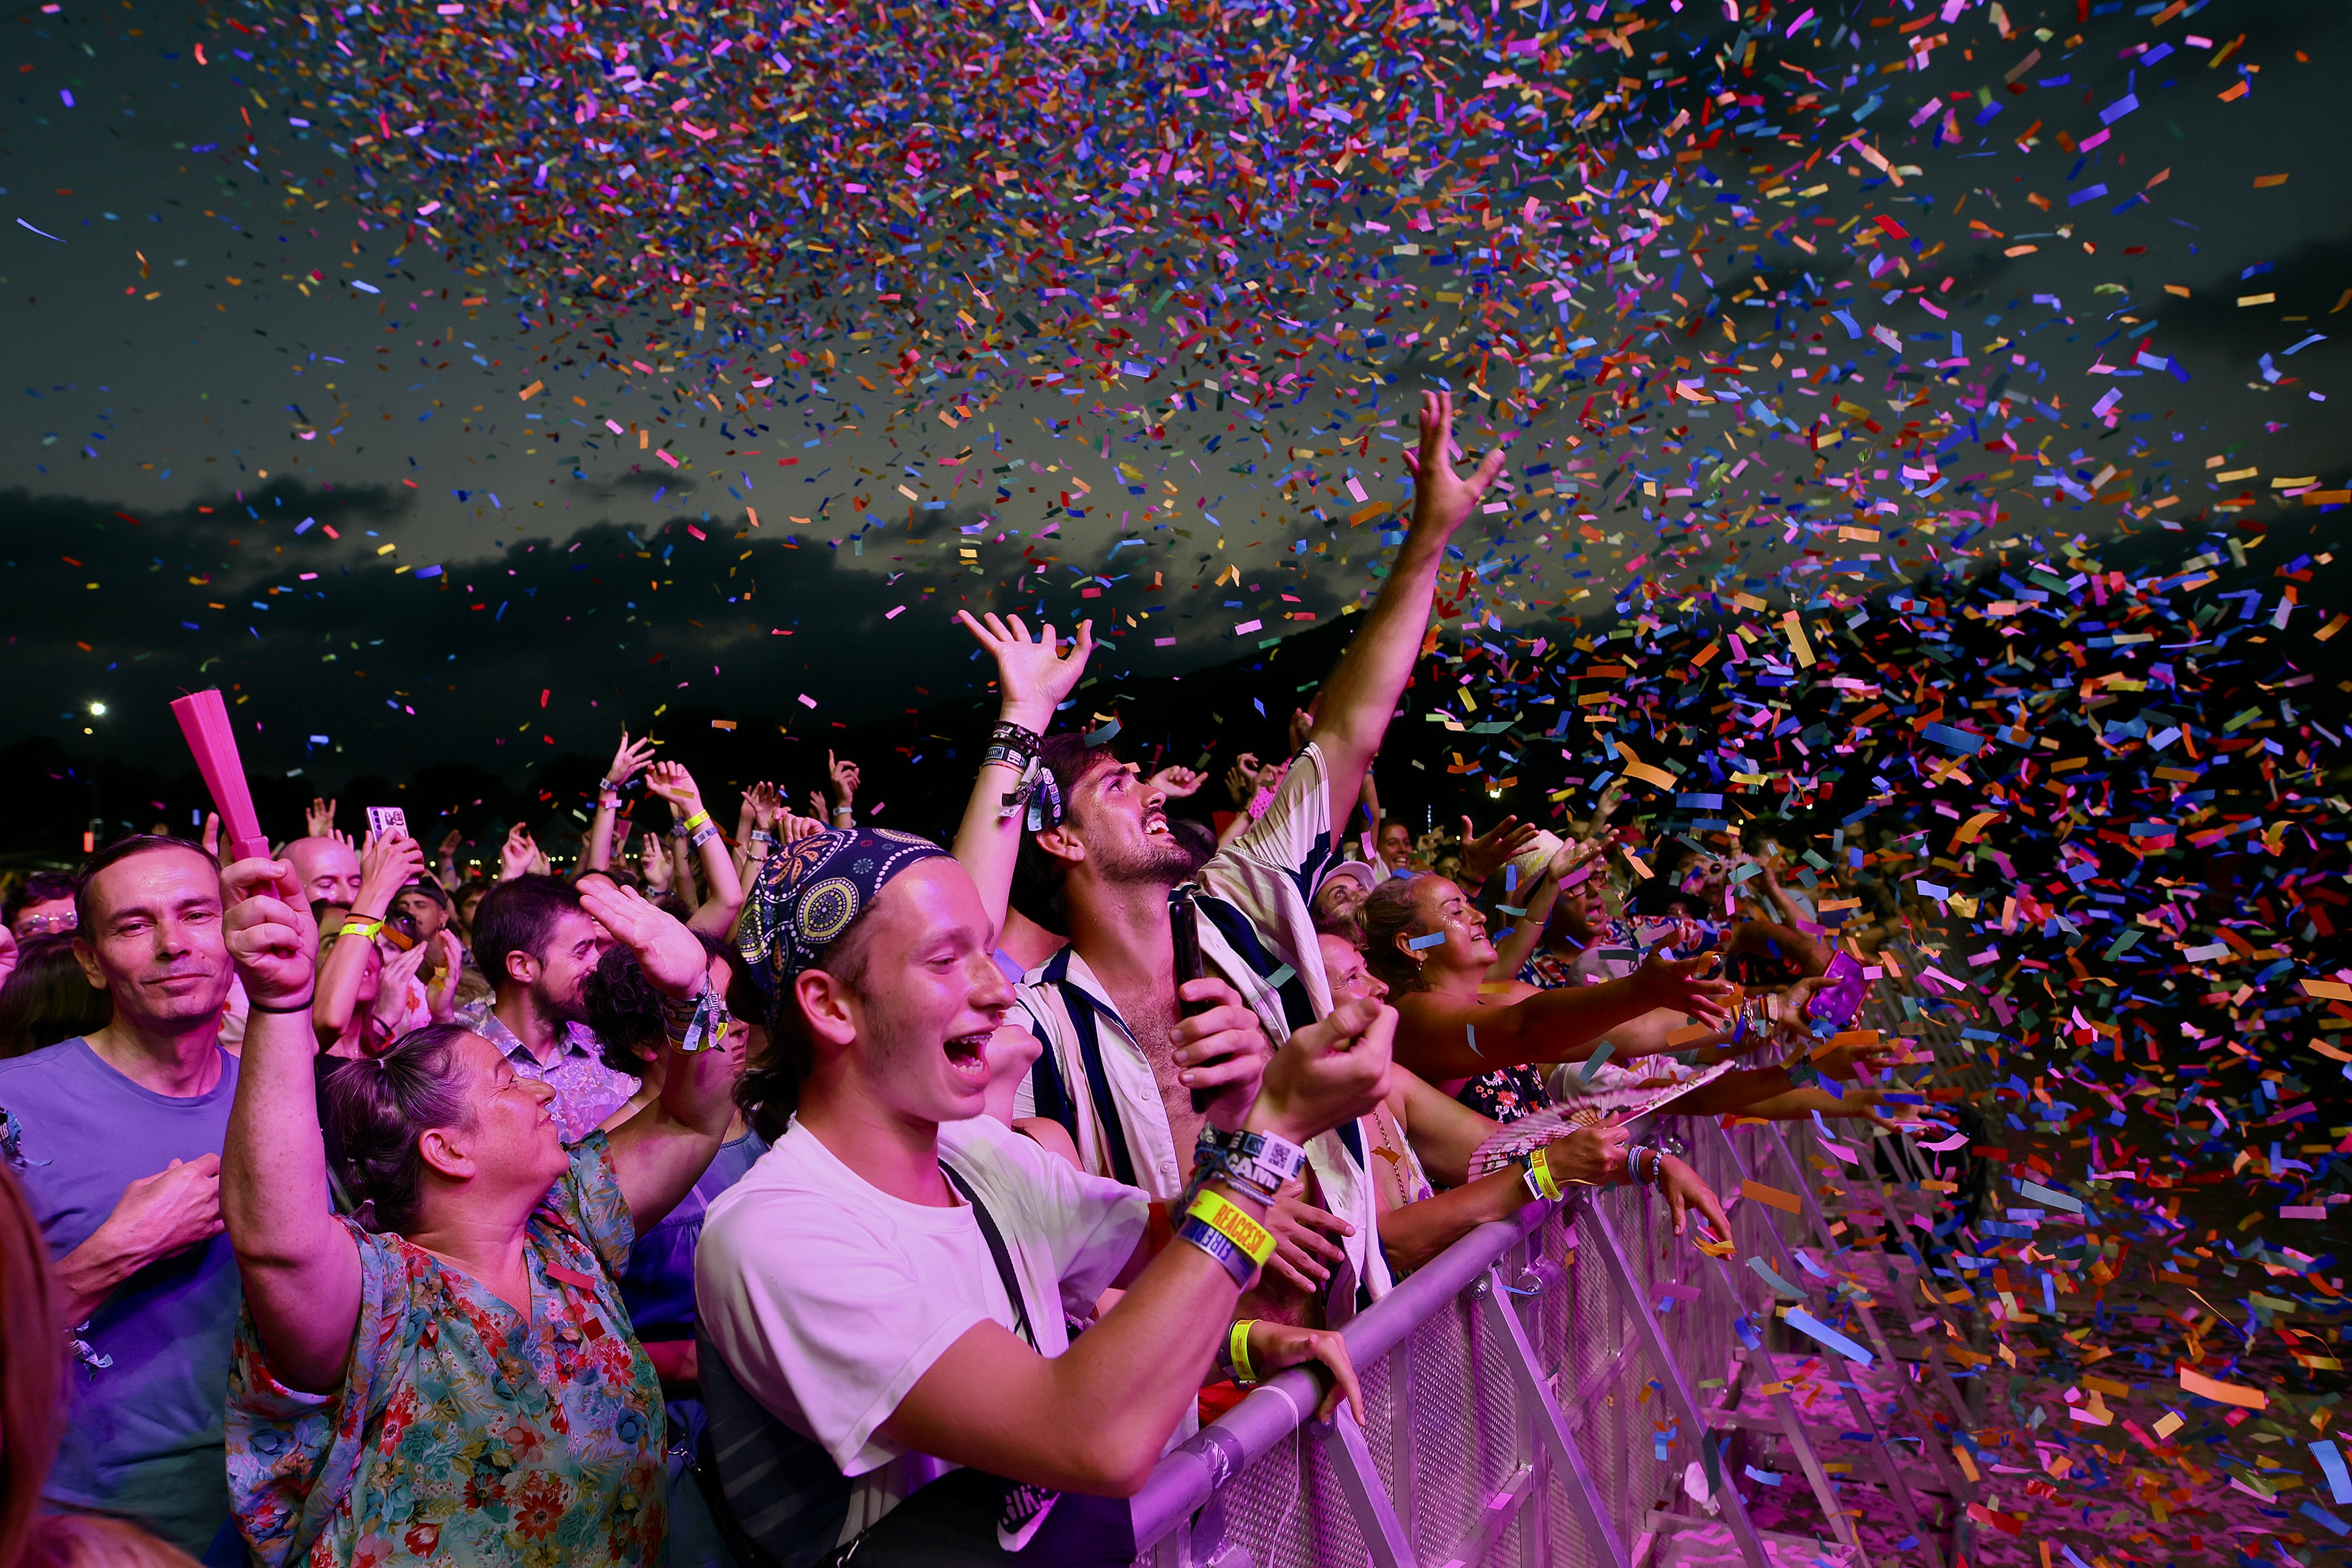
{"x":538,"y":947}
{"x":1100,"y":867}
{"x":116,"y":1139}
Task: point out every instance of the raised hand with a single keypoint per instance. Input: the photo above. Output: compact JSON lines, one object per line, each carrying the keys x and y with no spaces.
{"x":675,"y":784}
{"x":517,"y":853}
{"x":1677,"y":986}
{"x":629,"y":759}
{"x":441,"y":990}
{"x":1482,"y":855}
{"x":318,"y":820}
{"x":1302,"y":724}
{"x":211,"y":839}
{"x":672,"y":959}
{"x":653,"y":862}
{"x":386,"y":865}
{"x":1032,"y":675}
{"x":841,"y":780}
{"x":449,"y":843}
{"x":270,"y":935}
{"x":1241,"y":779}
{"x":1442,"y":499}
{"x":400,"y":971}
{"x":1176,"y":783}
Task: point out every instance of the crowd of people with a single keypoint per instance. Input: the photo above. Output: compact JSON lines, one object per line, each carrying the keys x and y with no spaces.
{"x":818,"y":1192}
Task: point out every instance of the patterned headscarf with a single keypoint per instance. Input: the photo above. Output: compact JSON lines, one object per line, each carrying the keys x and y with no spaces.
{"x":807,"y":894}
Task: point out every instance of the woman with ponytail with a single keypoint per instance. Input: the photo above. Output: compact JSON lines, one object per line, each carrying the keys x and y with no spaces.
{"x":450,"y":1375}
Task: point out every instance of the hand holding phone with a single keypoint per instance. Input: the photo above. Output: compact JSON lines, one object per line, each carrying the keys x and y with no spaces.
{"x":1184,"y":933}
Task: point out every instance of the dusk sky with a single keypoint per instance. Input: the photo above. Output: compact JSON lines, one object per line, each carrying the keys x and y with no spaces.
{"x":194,"y":351}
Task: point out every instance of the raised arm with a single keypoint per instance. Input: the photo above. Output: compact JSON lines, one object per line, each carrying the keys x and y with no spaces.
{"x":386,"y":865}
{"x":723,"y":897}
{"x":661,"y":1151}
{"x":629,"y":759}
{"x":1443,"y":1037}
{"x":299,"y":1266}
{"x":1358,"y":699}
{"x":1032,"y":679}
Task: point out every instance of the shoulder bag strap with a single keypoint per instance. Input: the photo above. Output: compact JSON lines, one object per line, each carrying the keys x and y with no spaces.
{"x":996,"y":1249}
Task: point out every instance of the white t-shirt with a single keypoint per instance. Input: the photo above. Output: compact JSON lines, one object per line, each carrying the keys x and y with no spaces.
{"x":828,"y":1299}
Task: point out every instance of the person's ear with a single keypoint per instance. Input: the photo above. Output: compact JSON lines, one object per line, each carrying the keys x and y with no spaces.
{"x":522,"y":967}
{"x":86,"y":955}
{"x":439,"y":1148}
{"x":1062,"y":842}
{"x":828,"y":1007}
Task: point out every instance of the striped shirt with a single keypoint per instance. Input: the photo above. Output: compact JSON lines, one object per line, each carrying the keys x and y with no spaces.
{"x":1257,"y":934}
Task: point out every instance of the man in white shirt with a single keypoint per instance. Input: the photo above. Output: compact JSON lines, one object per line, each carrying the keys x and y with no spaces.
{"x":881,"y":1299}
{"x":1107,"y":1005}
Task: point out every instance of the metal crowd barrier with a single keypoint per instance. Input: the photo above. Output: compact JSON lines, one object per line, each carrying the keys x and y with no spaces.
{"x":1536,"y":1396}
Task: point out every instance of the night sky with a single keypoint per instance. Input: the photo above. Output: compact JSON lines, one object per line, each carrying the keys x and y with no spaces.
{"x":214,"y":477}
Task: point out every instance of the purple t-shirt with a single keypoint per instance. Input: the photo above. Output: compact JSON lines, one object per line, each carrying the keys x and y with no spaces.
{"x":142,"y":1435}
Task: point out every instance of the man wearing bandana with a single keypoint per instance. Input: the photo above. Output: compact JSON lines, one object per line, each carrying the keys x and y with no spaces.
{"x":882,"y":1301}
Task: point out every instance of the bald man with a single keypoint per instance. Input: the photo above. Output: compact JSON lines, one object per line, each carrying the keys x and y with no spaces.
{"x":329,"y":869}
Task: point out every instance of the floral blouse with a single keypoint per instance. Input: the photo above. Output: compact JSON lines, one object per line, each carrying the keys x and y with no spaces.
{"x":463,"y":1435}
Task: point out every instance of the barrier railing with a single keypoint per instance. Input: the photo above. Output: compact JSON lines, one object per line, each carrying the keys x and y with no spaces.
{"x":1557,"y":1389}
{"x":1506,"y":1418}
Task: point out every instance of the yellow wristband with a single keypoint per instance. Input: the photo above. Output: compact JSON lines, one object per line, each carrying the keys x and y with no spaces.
{"x":1254,"y":1240}
{"x":697,"y":820}
{"x":359,"y":928}
{"x":1539,"y":1164}
{"x":1237,"y":1351}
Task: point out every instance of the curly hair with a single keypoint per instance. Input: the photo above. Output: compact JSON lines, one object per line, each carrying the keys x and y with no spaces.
{"x":624,"y":1010}
{"x":1392,"y":910}
{"x":381,"y":1106}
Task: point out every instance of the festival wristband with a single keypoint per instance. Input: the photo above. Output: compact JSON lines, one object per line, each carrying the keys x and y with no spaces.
{"x":359,"y":928}
{"x":697,"y":820}
{"x":1214,"y":1242}
{"x":698,"y":1022}
{"x":1539,"y":1176}
{"x":1222,"y":1216}
{"x":704,"y":834}
{"x":1237,"y":1352}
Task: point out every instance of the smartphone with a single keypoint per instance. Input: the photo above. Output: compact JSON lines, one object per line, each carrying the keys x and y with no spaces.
{"x":1184,"y":934}
{"x":387,"y":822}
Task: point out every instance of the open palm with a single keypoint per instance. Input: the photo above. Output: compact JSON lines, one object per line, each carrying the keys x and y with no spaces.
{"x":1442,"y":499}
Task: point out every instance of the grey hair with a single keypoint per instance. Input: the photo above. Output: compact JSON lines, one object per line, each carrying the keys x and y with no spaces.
{"x":381,"y":1107}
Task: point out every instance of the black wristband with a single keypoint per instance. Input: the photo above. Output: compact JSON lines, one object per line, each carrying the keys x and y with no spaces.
{"x":303,"y":1006}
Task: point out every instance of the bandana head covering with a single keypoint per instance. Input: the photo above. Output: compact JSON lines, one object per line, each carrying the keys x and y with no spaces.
{"x":807,"y":894}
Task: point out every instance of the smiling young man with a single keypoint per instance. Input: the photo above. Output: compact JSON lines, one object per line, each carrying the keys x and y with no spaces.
{"x":116,"y":1144}
{"x":882,"y":1299}
{"x":1101,"y":869}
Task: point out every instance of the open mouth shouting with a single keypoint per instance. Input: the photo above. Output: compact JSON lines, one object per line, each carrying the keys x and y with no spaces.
{"x":968,"y":1055}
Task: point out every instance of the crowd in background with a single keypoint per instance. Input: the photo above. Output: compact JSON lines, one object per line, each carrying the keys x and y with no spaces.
{"x":809,"y":1191}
